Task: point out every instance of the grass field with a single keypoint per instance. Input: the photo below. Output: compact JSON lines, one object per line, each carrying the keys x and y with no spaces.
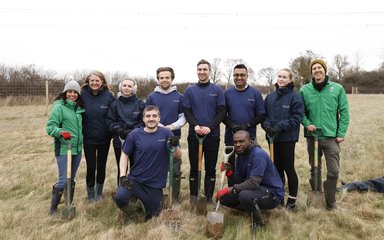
{"x":28,"y":171}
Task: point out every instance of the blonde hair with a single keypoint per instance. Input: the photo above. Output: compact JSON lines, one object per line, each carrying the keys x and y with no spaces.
{"x":289,"y":71}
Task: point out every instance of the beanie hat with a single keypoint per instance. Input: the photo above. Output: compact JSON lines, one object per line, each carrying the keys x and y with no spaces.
{"x":319,"y":61}
{"x":72,"y":85}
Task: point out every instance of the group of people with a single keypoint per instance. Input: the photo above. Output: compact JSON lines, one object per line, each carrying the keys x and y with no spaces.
{"x":145,"y":133}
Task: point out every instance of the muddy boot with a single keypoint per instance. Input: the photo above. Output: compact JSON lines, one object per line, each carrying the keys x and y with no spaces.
{"x":330,"y":194}
{"x":91,"y":194}
{"x":56,"y":196}
{"x":129,"y":213}
{"x":99,"y":192}
{"x":256,"y":218}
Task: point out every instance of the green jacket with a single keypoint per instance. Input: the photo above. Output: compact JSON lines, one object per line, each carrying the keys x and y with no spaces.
{"x":327,"y":109}
{"x":65,"y":117}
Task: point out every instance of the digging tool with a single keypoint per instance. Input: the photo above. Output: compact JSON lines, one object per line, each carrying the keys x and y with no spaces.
{"x":172,"y":216}
{"x":215,"y":219}
{"x":201,"y":202}
{"x":316,"y":198}
{"x":271,"y":138}
{"x":69,"y":211}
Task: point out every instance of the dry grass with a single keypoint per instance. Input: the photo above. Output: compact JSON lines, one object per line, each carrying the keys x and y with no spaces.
{"x":28,"y":171}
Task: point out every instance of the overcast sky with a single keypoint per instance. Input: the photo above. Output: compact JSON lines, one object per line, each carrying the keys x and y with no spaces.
{"x":139,"y":36}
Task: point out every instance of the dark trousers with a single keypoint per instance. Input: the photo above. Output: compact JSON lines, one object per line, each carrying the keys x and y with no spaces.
{"x":150,"y":197}
{"x":284,"y":153}
{"x":117,"y":151}
{"x":96,"y":157}
{"x":210,"y":153}
{"x":246,"y":199}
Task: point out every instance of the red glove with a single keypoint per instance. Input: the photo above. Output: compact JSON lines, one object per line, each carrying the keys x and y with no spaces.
{"x":222,"y":192}
{"x":226,"y":167}
{"x":66,"y":135}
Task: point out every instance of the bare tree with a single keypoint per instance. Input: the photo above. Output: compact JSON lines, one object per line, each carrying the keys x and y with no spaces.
{"x":340,"y":66}
{"x":269,"y":74}
{"x":216,"y":70}
{"x":357,"y":62}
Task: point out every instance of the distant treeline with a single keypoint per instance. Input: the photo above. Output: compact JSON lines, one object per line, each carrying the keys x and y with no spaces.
{"x":30,"y":81}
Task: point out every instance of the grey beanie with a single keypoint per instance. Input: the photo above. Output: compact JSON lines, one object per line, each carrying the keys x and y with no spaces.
{"x":72,"y":85}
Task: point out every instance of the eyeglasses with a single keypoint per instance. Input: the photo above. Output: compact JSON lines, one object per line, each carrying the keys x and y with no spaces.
{"x":239,"y":75}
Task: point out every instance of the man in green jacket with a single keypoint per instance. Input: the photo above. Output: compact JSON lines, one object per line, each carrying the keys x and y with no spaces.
{"x":327,"y":116}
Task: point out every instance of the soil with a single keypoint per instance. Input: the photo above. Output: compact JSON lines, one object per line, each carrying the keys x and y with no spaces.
{"x":172,"y":218}
{"x":215,"y":231}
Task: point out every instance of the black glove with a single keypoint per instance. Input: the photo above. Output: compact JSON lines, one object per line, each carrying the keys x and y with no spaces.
{"x":271,"y":131}
{"x":244,"y":126}
{"x":125,"y":182}
{"x":235,"y":127}
{"x":123,"y":133}
{"x":173,"y":141}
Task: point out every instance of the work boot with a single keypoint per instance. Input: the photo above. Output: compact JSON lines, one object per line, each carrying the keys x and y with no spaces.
{"x":256,"y":218}
{"x":56,"y":196}
{"x":291,"y":203}
{"x":330,"y":194}
{"x":129,"y":213}
{"x":91,"y":194}
{"x":99,"y":192}
{"x":209,"y":187}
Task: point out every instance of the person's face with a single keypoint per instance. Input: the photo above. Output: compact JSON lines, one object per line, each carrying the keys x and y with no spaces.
{"x":241,"y":143}
{"x":95,"y":82}
{"x":240,"y":77}
{"x":203,"y":73}
{"x":127,"y":87}
{"x":165,"y":79}
{"x":318,"y":72}
{"x":151,"y":119}
{"x":72,"y":95}
{"x":283,"y":78}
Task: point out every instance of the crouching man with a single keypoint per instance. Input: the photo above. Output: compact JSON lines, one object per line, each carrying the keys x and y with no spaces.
{"x":257,"y":182}
{"x":148,"y":174}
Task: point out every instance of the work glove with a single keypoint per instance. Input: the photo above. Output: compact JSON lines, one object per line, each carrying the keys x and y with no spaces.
{"x":222,"y":192}
{"x":235,"y":127}
{"x":226,"y":167}
{"x":125,"y":182}
{"x":244,"y":126}
{"x":66,"y":135}
{"x":123,"y":133}
{"x":271,"y":131}
{"x":173,"y":141}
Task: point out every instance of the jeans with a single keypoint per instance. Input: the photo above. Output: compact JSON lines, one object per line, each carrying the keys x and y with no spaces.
{"x":62,"y":167}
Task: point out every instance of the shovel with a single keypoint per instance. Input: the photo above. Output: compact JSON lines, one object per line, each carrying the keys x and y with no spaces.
{"x":315,"y":198}
{"x":271,"y":138}
{"x":201,"y":202}
{"x":215,"y":220}
{"x":69,"y":211}
{"x":172,"y":217}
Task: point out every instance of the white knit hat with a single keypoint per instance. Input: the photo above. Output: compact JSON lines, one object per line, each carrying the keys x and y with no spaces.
{"x":72,"y":85}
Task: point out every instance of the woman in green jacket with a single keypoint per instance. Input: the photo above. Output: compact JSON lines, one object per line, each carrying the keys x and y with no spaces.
{"x":65,"y":126}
